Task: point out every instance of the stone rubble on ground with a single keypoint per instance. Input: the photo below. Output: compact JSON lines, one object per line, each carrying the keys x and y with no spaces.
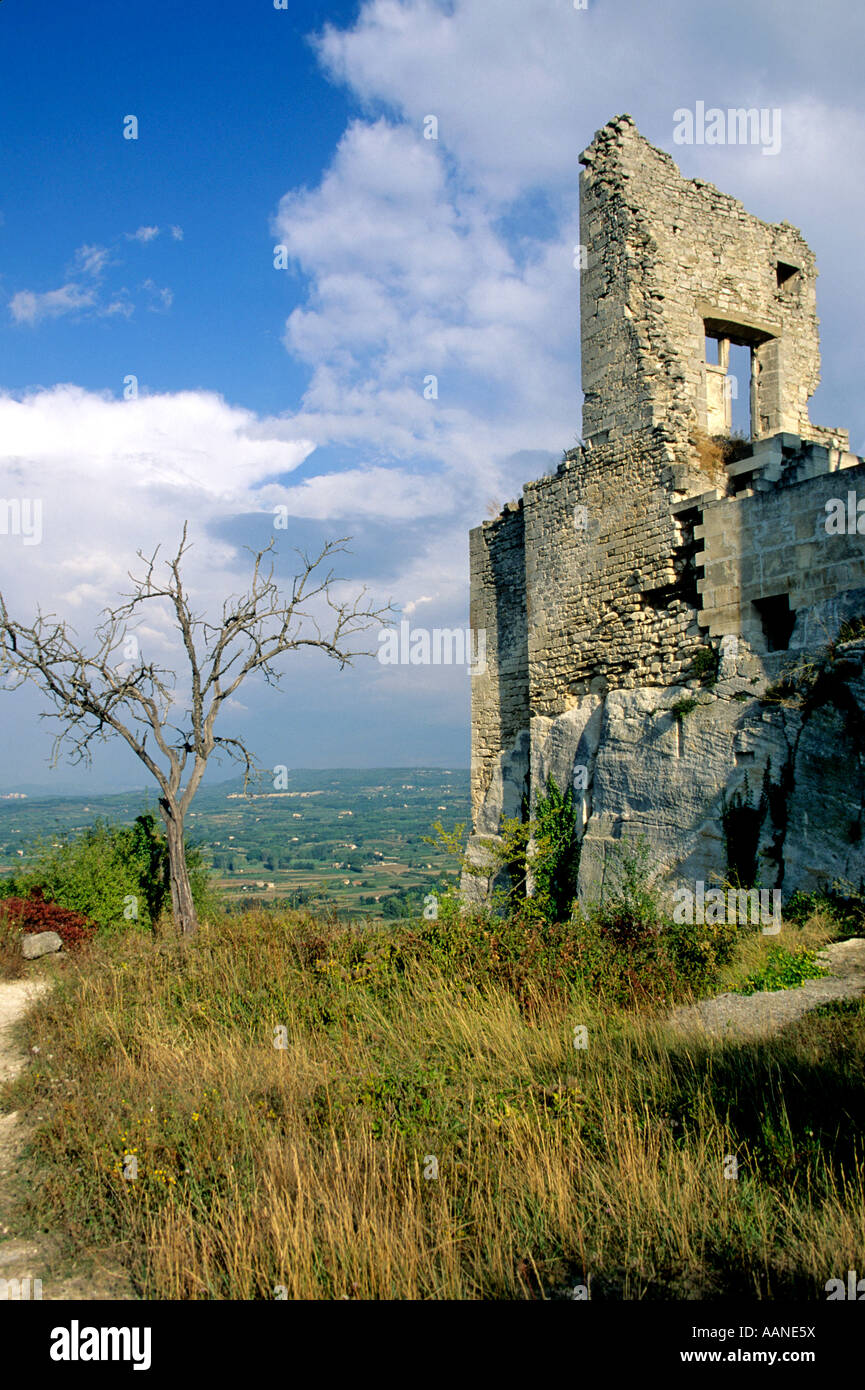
{"x":42,"y":943}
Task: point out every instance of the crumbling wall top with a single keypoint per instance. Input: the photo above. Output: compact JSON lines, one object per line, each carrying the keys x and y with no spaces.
{"x":676,"y":272}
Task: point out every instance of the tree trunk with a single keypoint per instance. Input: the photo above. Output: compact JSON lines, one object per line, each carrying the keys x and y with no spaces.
{"x":182,"y":906}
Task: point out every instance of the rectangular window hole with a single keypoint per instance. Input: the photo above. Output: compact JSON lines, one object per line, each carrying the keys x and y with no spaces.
{"x":777,"y":620}
{"x":785,"y":272}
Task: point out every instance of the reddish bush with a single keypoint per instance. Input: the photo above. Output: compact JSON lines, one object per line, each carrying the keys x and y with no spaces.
{"x":35,"y":914}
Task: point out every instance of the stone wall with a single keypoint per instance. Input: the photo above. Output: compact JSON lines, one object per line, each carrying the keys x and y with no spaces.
{"x":500,"y":694}
{"x":609,"y":598}
{"x":771,"y":541}
{"x":668,"y":779}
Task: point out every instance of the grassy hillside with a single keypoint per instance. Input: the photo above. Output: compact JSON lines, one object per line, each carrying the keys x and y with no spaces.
{"x":308,"y":1168}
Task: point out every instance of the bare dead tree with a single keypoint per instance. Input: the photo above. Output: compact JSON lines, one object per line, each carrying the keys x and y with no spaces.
{"x":98,"y":697}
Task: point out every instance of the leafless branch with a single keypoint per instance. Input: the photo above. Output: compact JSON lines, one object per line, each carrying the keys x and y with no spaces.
{"x":96,"y":696}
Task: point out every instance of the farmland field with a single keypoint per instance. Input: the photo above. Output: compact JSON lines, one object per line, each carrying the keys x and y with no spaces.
{"x":351,"y":837}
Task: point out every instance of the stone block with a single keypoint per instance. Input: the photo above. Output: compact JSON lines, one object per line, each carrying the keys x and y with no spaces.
{"x":42,"y":943}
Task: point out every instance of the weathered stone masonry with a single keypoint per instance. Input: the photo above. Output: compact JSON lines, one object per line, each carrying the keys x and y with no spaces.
{"x":599,"y":586}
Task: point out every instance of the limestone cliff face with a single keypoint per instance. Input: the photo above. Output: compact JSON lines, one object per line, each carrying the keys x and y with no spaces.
{"x":670,"y":780}
{"x":642,"y":768}
{"x":655,"y":556}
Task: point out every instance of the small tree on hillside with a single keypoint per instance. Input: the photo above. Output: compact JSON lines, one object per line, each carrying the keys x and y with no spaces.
{"x":114,"y":692}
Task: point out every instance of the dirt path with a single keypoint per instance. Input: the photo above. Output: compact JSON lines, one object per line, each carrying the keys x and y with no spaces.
{"x":37,"y":1257}
{"x":748,"y":1016}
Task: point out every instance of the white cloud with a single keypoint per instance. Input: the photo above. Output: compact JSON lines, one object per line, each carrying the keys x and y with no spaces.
{"x":115,"y":477}
{"x":162,"y":298}
{"x":122,"y":305}
{"x":452,"y":257}
{"x":91,"y":260}
{"x":29,"y":307}
{"x":184,"y":439}
{"x":131,"y":471}
{"x":410,"y":280}
{"x":414,"y":604}
{"x":519,"y":93}
{"x":387,"y":493}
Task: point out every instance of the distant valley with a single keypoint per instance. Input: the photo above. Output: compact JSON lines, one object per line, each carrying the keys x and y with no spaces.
{"x":351,"y":837}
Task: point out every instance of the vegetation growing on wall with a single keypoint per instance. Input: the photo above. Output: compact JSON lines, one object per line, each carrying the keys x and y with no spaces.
{"x":556,"y":856}
{"x":742,"y":819}
{"x":714,"y":452}
{"x":680,"y":709}
{"x":538,"y":856}
{"x":704,"y":666}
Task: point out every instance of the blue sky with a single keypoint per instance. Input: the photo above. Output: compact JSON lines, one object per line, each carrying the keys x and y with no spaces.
{"x":408,"y":257}
{"x":233,"y":108}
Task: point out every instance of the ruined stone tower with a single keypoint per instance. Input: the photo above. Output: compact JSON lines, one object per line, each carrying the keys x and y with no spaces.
{"x":639,"y":603}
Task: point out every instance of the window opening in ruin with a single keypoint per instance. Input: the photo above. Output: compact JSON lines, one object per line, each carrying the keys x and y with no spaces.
{"x":738,"y":385}
{"x":733,"y":394}
{"x":730,"y":367}
{"x":785,"y":273}
{"x":777,"y":620}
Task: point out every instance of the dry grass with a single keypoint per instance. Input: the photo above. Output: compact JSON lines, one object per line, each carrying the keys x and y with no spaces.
{"x":710,"y":458}
{"x":303,"y":1169}
{"x":712,"y":453}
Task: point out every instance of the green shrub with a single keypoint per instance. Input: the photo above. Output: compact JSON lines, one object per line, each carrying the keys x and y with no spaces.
{"x":621,"y":949}
{"x":845,"y":908}
{"x":783,"y":969}
{"x":683,"y":707}
{"x":629,"y":954}
{"x":629,"y":907}
{"x":556,"y":856}
{"x":542,"y":850}
{"x":114,"y":875}
{"x":704,"y":666}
